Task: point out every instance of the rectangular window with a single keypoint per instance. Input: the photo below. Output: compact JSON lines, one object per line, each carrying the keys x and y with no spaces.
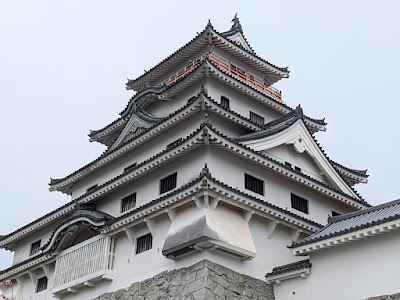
{"x":41,"y":284}
{"x":288,"y":164}
{"x":299,"y":203}
{"x":253,"y":184}
{"x":144,"y":243}
{"x":35,"y":247}
{"x":174,"y":143}
{"x":257,"y":118}
{"x":128,"y":202}
{"x":335,"y":213}
{"x":130,"y":167}
{"x":224,"y":102}
{"x":297,"y":169}
{"x":168,"y":183}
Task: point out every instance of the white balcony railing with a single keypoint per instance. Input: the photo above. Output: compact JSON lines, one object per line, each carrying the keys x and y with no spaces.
{"x":84,"y":264}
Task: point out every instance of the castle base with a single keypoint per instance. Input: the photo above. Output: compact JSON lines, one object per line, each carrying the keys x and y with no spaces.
{"x":203,"y":280}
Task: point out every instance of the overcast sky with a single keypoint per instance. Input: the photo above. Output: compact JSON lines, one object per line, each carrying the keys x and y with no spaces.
{"x":64,"y":64}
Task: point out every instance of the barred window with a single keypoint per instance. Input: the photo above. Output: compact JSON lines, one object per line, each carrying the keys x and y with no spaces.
{"x":257,"y":118}
{"x":253,"y":184}
{"x":35,"y":247}
{"x":41,"y":284}
{"x":144,"y":243}
{"x":168,"y":183}
{"x":224,"y":102}
{"x":128,"y":202}
{"x":299,"y":203}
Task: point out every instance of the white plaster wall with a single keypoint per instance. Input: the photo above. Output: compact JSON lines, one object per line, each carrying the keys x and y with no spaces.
{"x":23,"y":246}
{"x":237,"y":62}
{"x":295,"y":289}
{"x":231,"y":169}
{"x":138,"y":154}
{"x":303,"y":160}
{"x":226,"y":126}
{"x":188,"y":168}
{"x":130,"y":267}
{"x":29,"y":286}
{"x":358,"y":270}
{"x":162,"y":108}
{"x":239,"y":102}
{"x":223,"y":166}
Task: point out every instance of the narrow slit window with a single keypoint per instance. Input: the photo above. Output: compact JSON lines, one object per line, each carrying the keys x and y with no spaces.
{"x":128,"y":202}
{"x":35,"y":247}
{"x":144,"y":243}
{"x":224,"y":102}
{"x":299,"y":203}
{"x":253,"y":184}
{"x":174,"y":143}
{"x":168,"y":183}
{"x":257,"y":118}
{"x":130,"y":167}
{"x":41,"y":284}
{"x":92,"y":188}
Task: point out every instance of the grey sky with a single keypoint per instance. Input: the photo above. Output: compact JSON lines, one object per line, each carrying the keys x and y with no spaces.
{"x":64,"y":64}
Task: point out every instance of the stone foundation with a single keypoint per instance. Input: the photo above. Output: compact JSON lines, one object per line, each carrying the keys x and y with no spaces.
{"x":203,"y":280}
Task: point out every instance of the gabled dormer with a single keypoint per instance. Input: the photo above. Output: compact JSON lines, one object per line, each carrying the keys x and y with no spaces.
{"x":290,"y":130}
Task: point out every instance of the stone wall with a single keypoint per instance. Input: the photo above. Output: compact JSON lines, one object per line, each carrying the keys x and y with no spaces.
{"x":203,"y":280}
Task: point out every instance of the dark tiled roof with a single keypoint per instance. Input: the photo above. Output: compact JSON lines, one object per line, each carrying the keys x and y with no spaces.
{"x":81,"y":212}
{"x":208,"y":28}
{"x":106,"y":153}
{"x":237,"y":28}
{"x":94,"y":132}
{"x":3,"y":237}
{"x":303,"y":264}
{"x":22,"y":263}
{"x":317,"y":121}
{"x":275,"y":126}
{"x":206,"y":174}
{"x":361,"y":201}
{"x":283,"y":123}
{"x":351,"y":222}
{"x":268,"y":204}
{"x":187,"y":45}
{"x":362,"y":173}
{"x":160,"y":89}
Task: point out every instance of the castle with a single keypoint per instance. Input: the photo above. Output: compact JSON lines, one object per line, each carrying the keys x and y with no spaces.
{"x":207,"y":168}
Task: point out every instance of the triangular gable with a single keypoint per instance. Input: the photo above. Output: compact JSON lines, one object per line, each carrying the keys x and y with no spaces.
{"x":300,"y":138}
{"x":239,"y":39}
{"x":302,"y":162}
{"x":136,"y":124}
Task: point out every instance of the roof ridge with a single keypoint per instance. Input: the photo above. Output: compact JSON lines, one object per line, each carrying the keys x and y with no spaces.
{"x":356,"y":171}
{"x":361,"y":200}
{"x":208,"y":28}
{"x":363,"y":211}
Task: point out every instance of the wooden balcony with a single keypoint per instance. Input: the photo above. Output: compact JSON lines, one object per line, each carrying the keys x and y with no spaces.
{"x":83,"y":265}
